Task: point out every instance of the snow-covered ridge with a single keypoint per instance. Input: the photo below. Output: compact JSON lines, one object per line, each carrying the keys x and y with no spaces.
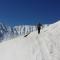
{"x":24,"y":29}
{"x":10,"y":32}
{"x":43,"y":46}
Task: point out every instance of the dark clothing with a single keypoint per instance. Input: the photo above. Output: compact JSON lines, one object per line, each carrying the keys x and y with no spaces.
{"x":39,"y":28}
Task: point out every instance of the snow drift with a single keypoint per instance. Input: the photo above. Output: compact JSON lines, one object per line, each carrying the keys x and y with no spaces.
{"x":45,"y":46}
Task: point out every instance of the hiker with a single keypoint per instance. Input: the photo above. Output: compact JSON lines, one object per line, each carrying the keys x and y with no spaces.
{"x":39,"y":27}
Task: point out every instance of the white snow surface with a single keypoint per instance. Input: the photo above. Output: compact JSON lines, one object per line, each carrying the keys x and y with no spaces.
{"x":45,"y":46}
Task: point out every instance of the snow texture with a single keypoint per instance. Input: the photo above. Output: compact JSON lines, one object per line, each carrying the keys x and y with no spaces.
{"x":44,"y":46}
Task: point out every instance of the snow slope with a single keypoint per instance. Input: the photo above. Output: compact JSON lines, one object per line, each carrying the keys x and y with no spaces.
{"x":45,"y":46}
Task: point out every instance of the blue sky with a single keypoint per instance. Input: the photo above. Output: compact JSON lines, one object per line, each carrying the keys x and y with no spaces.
{"x":16,"y":12}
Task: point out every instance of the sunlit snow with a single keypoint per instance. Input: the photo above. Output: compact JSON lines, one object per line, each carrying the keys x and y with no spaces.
{"x":45,"y":46}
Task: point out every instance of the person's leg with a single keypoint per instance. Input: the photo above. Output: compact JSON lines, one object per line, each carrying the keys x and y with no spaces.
{"x":38,"y":31}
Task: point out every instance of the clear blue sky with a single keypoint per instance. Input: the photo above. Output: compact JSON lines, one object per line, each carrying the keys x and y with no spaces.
{"x":15,"y":12}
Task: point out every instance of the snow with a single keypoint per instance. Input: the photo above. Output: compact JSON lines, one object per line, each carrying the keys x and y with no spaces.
{"x":7,"y":32}
{"x":43,"y":46}
{"x":24,"y":29}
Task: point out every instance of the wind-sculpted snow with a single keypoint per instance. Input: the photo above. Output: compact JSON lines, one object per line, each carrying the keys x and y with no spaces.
{"x":43,"y":46}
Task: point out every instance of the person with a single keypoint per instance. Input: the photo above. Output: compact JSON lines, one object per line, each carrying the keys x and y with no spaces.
{"x":39,"y":27}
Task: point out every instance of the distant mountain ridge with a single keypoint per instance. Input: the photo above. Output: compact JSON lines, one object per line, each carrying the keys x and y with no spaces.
{"x":7,"y":32}
{"x":10,"y":32}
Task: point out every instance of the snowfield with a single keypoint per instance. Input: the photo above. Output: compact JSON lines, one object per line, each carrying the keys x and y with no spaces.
{"x":45,"y":46}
